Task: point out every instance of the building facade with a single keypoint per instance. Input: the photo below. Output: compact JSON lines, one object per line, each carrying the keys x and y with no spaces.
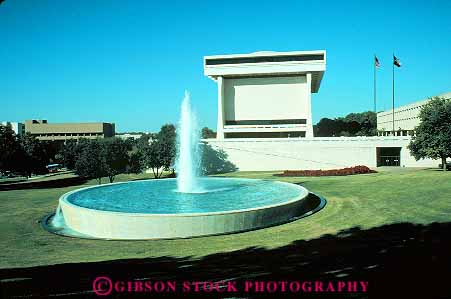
{"x":268,"y":154}
{"x":406,"y":118}
{"x":18,"y":128}
{"x":264,"y":105}
{"x":43,"y":130}
{"x":266,"y":94}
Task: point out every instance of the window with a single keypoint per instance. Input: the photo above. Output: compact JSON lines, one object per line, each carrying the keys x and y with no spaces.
{"x":292,"y":134}
{"x":262,"y":59}
{"x":267,"y":122}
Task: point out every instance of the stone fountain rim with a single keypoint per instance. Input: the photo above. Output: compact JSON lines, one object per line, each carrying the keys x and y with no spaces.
{"x":304,"y":193}
{"x":45,"y":225}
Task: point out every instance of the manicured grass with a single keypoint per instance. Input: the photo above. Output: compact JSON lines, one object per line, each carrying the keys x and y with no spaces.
{"x":364,"y":201}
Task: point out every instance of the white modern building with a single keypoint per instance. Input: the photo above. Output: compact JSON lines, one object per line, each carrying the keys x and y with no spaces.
{"x":265,"y":117}
{"x":267,"y":154}
{"x":266,"y":94}
{"x":18,"y":128}
{"x":406,"y":118}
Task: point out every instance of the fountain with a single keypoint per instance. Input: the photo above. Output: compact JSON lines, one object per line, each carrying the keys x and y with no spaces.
{"x":188,"y":206}
{"x":188,"y":150}
{"x":58,"y":219}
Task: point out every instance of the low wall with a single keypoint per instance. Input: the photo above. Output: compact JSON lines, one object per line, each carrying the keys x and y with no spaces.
{"x":313,"y":153}
{"x":140,"y":226}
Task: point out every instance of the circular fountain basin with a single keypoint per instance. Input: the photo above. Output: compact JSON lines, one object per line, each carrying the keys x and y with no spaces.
{"x":153,"y":209}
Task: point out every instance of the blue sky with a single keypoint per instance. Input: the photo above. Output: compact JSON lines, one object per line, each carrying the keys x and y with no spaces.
{"x":129,"y":62}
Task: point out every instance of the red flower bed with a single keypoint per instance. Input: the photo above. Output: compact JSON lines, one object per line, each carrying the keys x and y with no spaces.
{"x":360,"y":169}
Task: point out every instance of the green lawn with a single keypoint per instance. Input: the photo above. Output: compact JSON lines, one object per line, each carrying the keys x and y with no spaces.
{"x":365,"y":201}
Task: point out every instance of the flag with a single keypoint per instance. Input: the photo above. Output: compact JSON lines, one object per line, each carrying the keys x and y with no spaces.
{"x":396,"y":61}
{"x":376,"y":62}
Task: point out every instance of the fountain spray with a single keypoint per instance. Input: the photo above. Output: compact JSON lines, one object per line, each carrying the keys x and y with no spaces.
{"x":188,"y":151}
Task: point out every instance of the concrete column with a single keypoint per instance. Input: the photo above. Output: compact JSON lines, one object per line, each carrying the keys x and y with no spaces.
{"x":220,"y":127}
{"x":309,"y":129}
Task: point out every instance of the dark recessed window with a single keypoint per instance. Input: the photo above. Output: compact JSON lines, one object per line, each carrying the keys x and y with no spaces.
{"x":266,"y":122}
{"x":293,"y":134}
{"x":262,"y":59}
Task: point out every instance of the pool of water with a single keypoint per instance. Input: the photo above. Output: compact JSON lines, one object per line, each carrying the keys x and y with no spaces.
{"x":161,"y":197}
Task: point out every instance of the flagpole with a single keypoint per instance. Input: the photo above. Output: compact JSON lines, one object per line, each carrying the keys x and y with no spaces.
{"x":393,"y":93}
{"x":374,"y":87}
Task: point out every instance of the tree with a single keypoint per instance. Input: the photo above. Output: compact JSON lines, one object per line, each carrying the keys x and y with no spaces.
{"x":69,"y":153}
{"x":351,"y":127}
{"x":144,"y":141}
{"x":36,"y":157}
{"x":325,"y":128}
{"x":153,"y":158}
{"x":135,"y":164}
{"x":115,"y":152}
{"x":167,"y":145}
{"x":159,"y":155}
{"x":433,"y":135}
{"x":366,"y":120}
{"x":91,"y":160}
{"x":25,"y":154}
{"x":10,"y":150}
{"x":51,"y":149}
{"x":208,"y":133}
{"x":215,"y":161}
{"x":354,"y":124}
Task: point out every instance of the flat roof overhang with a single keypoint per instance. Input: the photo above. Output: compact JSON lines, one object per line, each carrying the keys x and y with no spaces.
{"x":265,"y":64}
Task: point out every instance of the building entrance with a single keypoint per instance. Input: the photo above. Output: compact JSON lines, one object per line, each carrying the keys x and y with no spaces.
{"x":388,"y":156}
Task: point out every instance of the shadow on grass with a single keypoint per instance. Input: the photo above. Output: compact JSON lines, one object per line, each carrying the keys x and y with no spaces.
{"x":399,"y":261}
{"x":56,"y":183}
{"x":440,"y":169}
{"x":168,"y":176}
{"x":272,"y":177}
